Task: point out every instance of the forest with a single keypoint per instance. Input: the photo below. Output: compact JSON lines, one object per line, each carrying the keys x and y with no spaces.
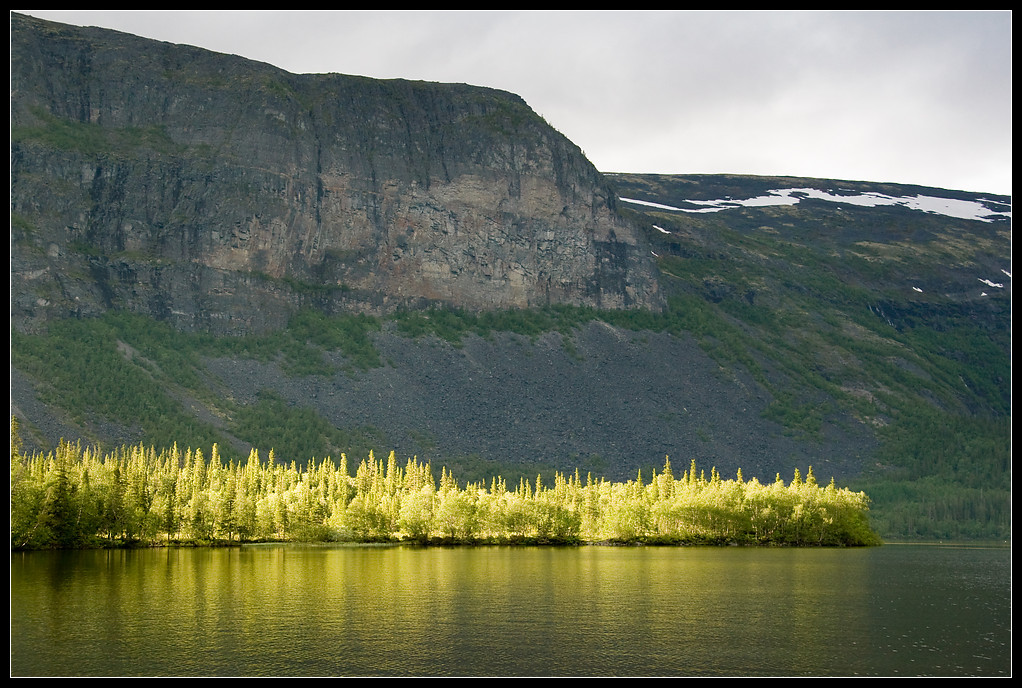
{"x":74,"y":497}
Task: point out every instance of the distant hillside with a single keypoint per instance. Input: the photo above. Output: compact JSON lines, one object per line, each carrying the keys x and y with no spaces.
{"x":889,"y":302}
{"x":208,"y":250}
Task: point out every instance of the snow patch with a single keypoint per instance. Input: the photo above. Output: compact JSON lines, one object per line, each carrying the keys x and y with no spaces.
{"x":950,"y":207}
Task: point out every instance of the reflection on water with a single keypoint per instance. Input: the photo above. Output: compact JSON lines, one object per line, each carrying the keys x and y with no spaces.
{"x":641,"y":611}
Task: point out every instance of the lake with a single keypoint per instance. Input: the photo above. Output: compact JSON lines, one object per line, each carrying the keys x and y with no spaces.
{"x":292,"y":610}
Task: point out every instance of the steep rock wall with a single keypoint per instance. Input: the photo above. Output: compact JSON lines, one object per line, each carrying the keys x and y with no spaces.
{"x":222,"y":194}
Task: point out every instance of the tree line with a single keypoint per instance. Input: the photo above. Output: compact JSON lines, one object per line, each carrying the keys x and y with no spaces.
{"x":74,"y":497}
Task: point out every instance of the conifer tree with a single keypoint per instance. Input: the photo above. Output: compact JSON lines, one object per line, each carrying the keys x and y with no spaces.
{"x":810,"y":478}
{"x":75,"y":495}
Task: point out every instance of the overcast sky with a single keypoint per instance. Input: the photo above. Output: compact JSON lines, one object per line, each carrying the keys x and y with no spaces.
{"x":909,"y":97}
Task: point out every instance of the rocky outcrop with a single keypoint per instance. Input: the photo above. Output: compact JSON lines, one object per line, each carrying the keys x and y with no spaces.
{"x":221,"y":194}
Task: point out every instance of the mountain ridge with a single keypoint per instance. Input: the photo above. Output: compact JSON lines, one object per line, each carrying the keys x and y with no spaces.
{"x":241,"y":189}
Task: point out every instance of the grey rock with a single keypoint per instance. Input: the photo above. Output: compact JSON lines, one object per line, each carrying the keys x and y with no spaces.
{"x":221,"y":194}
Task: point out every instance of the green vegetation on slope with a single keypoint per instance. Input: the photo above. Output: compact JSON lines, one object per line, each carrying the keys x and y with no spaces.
{"x":137,"y":373}
{"x":92,"y":139}
{"x":271,"y":422}
{"x":938,"y":394}
{"x":938,"y":473}
{"x":873,"y":312}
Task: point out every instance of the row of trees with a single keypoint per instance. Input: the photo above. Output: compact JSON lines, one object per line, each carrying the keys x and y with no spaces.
{"x":74,"y":497}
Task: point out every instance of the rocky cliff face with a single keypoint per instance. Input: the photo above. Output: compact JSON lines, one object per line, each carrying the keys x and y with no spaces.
{"x":221,"y":194}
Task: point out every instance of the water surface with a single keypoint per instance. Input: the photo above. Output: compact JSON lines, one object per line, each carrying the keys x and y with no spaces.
{"x":286,"y":610}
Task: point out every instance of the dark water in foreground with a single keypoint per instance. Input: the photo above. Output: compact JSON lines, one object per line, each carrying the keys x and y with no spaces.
{"x":643,"y":611}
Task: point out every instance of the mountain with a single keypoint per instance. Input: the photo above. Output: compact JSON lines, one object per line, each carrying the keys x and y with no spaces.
{"x":210,"y":250}
{"x":223,"y":194}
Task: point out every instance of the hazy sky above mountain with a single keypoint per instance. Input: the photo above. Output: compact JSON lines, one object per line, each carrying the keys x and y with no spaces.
{"x":910,"y":97}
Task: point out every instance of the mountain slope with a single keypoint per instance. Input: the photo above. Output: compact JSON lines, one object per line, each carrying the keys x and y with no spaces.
{"x":887,"y":301}
{"x":206,"y":249}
